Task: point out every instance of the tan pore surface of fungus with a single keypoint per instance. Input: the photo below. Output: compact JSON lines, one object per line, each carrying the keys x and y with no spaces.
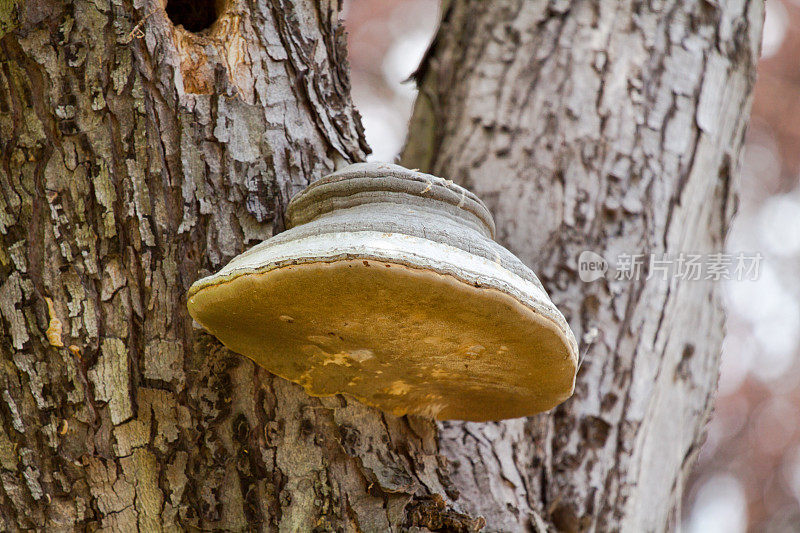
{"x":405,"y":340}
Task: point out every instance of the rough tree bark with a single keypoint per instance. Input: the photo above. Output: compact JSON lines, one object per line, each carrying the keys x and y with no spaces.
{"x":137,"y":156}
{"x":611,"y":126}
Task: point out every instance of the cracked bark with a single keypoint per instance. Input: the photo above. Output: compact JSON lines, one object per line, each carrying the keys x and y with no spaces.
{"x":137,"y":157}
{"x":612,"y":127}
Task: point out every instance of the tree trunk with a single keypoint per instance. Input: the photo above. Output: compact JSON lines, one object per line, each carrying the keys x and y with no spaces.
{"x":615,"y":127}
{"x":138,"y":156}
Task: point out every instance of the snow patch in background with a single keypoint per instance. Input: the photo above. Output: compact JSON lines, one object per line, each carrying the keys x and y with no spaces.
{"x":776,"y":20}
{"x":724,"y":505}
{"x":388,"y":43}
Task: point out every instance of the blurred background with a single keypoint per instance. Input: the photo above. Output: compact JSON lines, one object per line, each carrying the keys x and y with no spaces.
{"x":748,"y":474}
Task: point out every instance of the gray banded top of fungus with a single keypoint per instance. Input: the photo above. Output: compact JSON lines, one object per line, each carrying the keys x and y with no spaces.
{"x":388,"y":287}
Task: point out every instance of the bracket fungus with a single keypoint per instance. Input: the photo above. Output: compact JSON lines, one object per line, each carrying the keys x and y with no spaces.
{"x":388,"y":287}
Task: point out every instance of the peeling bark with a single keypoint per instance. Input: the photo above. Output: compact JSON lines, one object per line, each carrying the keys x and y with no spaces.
{"x":612,"y":127}
{"x":137,"y":157}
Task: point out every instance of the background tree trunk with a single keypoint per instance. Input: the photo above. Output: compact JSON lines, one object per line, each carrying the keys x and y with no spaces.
{"x":138,"y":156}
{"x":610,"y":126}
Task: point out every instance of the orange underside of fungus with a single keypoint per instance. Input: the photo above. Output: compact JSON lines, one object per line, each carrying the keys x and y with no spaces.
{"x":397,"y":338}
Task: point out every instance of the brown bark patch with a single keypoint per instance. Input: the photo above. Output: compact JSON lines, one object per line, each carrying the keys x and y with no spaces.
{"x":431,"y":512}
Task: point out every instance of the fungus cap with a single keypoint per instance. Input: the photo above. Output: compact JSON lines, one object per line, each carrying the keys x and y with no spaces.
{"x":387,"y":287}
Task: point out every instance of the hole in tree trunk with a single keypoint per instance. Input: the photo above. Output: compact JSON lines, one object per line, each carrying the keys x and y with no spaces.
{"x":193,"y":15}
